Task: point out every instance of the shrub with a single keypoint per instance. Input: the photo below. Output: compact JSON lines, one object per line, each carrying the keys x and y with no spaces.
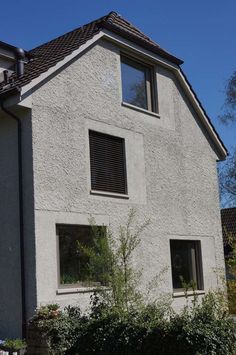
{"x":13,"y":344}
{"x":201,"y":329}
{"x":112,"y":256}
{"x":59,"y":328}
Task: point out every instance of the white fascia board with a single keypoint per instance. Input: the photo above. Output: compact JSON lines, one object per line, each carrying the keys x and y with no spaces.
{"x":177,"y":71}
{"x":27,"y":88}
{"x":137,"y":49}
{"x":201,"y":114}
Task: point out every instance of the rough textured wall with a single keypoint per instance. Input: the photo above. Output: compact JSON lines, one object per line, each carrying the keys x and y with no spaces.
{"x":171,"y":169}
{"x":10,"y":268}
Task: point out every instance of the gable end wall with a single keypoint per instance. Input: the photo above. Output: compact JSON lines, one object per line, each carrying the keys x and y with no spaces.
{"x":171,"y":169}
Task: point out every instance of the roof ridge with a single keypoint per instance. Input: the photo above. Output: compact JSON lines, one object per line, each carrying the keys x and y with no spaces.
{"x":111,"y":16}
{"x":134,"y":27}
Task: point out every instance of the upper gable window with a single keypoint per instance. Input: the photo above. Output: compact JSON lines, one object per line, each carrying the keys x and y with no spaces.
{"x":137,"y":83}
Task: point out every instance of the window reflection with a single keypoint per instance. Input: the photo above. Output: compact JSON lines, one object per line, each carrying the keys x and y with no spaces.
{"x":134,"y":85}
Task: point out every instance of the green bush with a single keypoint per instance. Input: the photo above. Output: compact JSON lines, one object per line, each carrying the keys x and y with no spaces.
{"x":201,"y":329}
{"x":13,"y":344}
{"x":60,"y":329}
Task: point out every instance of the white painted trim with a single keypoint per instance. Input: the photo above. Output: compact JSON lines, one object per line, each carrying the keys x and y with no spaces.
{"x":144,"y":53}
{"x":137,"y":49}
{"x":60,"y":64}
{"x":191,"y":96}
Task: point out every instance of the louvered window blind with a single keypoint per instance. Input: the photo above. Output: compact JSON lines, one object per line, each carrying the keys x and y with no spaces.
{"x":107,"y":162}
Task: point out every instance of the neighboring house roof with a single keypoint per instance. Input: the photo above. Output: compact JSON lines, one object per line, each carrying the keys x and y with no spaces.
{"x":47,"y":55}
{"x":228,"y":220}
{"x":8,"y":46}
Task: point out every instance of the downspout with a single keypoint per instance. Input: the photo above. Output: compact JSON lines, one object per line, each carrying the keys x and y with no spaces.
{"x":21,"y":210}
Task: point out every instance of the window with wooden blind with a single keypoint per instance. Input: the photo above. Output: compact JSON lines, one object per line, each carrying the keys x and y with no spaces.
{"x":107,"y":163}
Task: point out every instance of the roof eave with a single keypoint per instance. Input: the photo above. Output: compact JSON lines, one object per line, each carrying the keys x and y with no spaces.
{"x":142,"y":43}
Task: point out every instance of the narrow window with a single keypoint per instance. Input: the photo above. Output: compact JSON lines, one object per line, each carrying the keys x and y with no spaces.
{"x":137,"y":84}
{"x":186,"y":264}
{"x":76,"y":245}
{"x":107,"y":163}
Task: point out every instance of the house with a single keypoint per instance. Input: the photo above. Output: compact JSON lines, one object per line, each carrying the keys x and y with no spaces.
{"x":228,"y":220}
{"x":93,"y":123}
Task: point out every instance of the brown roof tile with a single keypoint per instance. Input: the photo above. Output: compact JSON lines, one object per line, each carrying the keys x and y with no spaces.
{"x":228,"y":220}
{"x":49,"y":54}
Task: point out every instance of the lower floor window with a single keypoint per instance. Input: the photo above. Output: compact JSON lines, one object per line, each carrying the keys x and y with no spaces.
{"x":79,"y":255}
{"x":186,"y":264}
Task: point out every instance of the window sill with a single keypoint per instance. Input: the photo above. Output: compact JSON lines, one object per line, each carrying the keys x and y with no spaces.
{"x":189,"y":293}
{"x":108,"y":194}
{"x":136,"y":108}
{"x":70,"y":290}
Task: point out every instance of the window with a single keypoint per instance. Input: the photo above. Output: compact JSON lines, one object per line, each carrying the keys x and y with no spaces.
{"x":75,"y":263}
{"x":186,"y":263}
{"x":107,"y":162}
{"x":137,"y":84}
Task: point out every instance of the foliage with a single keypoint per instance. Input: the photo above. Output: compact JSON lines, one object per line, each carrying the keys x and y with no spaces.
{"x":14,"y":344}
{"x":227,"y":170}
{"x":231,"y":272}
{"x":111,"y":256}
{"x":124,"y":279}
{"x":200,"y":329}
{"x":59,"y":328}
{"x":98,"y":254}
{"x":227,"y":180}
{"x":205,"y":327}
{"x":230,"y":101}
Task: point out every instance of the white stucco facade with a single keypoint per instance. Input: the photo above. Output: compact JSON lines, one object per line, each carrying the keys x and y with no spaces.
{"x":171,"y":175}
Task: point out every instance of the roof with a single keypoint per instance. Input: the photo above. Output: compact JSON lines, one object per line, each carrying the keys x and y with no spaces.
{"x":49,"y":54}
{"x":46,"y":57}
{"x":228,"y":220}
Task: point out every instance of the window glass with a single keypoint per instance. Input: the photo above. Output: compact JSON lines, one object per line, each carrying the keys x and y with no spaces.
{"x":186,"y":263}
{"x":134,"y":83}
{"x":74,"y":243}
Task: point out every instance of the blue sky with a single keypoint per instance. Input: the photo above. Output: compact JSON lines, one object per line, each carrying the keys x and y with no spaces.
{"x":202,"y":33}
